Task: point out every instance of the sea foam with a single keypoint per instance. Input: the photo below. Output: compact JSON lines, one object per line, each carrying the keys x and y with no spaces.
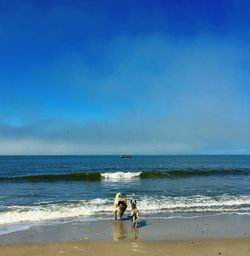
{"x":120,"y":175}
{"x":148,"y":206}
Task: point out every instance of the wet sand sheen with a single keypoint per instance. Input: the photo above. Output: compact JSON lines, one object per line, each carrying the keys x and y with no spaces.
{"x":202,"y":228}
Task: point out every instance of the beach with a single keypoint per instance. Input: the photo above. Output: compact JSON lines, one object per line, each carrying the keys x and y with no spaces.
{"x":108,"y":248}
{"x":217,"y":235}
{"x":63,"y":205}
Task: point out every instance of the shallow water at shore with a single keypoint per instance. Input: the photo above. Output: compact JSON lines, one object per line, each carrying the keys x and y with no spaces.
{"x":209,"y":227}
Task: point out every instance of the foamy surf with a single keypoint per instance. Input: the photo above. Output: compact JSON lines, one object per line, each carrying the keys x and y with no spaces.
{"x":148,"y":206}
{"x":120,"y":175}
{"x":59,"y":211}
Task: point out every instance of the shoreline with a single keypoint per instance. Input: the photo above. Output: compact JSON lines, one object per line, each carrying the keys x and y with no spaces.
{"x":223,"y":235}
{"x":240,"y":247}
{"x":218,"y":227}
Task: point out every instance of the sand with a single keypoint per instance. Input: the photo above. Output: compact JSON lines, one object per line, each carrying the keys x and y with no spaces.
{"x":234,"y":247}
{"x":218,"y":235}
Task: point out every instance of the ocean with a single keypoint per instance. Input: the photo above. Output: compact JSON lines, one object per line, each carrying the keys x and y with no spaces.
{"x":45,"y":189}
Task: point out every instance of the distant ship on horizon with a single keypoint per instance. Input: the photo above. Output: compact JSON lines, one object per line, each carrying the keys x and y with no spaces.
{"x":125,"y":156}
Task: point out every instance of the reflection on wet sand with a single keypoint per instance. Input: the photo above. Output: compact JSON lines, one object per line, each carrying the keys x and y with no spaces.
{"x":120,"y":231}
{"x":134,"y":233}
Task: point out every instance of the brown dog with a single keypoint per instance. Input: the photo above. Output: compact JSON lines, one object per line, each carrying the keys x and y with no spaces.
{"x":120,"y":205}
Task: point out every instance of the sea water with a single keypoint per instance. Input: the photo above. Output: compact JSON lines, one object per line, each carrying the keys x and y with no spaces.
{"x":45,"y":189}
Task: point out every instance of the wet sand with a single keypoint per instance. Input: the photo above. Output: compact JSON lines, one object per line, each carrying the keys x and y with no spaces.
{"x":202,"y":228}
{"x":109,"y":248}
{"x":217,"y":235}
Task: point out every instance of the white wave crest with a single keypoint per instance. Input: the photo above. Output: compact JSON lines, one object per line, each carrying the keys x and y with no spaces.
{"x":194,"y":204}
{"x":120,"y":175}
{"x":49,"y":212}
{"x":147,"y":205}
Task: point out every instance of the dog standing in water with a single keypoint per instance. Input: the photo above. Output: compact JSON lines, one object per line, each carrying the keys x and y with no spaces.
{"x":134,"y":213}
{"x":120,"y":205}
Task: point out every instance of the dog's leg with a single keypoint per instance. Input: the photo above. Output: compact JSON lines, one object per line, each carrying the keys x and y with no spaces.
{"x":136,"y":223}
{"x":122,"y":210}
{"x":119,"y":214}
{"x":133,"y":220}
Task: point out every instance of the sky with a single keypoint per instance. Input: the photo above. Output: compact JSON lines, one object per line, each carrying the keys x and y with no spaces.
{"x":124,"y":77}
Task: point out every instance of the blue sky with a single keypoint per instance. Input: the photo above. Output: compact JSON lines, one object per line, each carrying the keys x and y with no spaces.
{"x":114,"y":77}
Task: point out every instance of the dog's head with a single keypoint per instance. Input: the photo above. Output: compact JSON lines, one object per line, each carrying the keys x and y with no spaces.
{"x":133,"y":204}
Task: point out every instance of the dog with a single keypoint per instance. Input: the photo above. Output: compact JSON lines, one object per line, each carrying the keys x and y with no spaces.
{"x":134,"y":213}
{"x":120,"y":205}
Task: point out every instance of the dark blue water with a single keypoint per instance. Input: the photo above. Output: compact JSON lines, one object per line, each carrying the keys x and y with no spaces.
{"x":47,"y":188}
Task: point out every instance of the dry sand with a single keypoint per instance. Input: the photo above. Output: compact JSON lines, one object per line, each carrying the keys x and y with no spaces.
{"x":235,"y":247}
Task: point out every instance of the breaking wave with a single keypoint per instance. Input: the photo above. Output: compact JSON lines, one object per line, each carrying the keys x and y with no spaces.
{"x":148,"y":205}
{"x":120,"y":175}
{"x":98,"y":176}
